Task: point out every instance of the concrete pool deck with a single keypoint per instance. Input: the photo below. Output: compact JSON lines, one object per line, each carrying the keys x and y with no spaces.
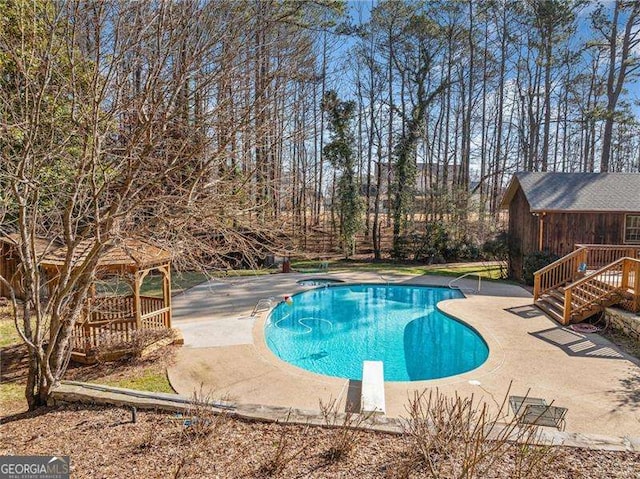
{"x":225,"y":354}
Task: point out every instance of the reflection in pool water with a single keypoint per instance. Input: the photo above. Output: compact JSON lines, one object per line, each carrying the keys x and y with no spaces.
{"x":332,"y":330}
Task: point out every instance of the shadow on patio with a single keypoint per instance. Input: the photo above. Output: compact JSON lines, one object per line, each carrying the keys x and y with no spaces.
{"x":577,"y":344}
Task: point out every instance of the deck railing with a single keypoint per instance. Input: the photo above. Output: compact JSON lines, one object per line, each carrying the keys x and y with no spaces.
{"x":615,"y":282}
{"x":558,"y":273}
{"x":567,"y":269}
{"x":599,"y":255}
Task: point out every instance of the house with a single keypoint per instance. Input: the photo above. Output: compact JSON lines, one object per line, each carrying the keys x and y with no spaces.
{"x":592,"y":220}
{"x":556,"y":211}
{"x":426,"y":175}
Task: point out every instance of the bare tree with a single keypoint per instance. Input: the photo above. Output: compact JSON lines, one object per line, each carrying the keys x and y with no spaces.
{"x":109,"y":130}
{"x":623,"y":62}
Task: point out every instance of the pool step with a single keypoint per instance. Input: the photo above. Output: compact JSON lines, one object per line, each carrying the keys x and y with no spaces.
{"x":262,"y":306}
{"x":372,"y":395}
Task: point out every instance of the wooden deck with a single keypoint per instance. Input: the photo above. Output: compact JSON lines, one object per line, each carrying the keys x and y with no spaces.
{"x":587,"y":280}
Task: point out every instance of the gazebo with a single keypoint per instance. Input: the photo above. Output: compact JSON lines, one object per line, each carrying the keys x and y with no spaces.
{"x":9,"y":263}
{"x":113,"y":316}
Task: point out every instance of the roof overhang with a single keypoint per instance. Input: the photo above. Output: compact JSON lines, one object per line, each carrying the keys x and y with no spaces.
{"x":619,"y":212}
{"x":42,"y":246}
{"x":514,"y":184}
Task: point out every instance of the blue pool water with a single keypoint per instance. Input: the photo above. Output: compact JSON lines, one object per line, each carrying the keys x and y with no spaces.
{"x":331,"y":330}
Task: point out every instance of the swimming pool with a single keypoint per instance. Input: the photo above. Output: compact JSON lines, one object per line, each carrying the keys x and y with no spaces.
{"x":331,"y":330}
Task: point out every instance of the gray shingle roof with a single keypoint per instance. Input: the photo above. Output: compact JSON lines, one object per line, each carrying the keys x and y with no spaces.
{"x":577,"y":191}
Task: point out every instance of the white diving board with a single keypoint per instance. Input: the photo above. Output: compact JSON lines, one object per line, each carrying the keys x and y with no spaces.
{"x":372,"y":395}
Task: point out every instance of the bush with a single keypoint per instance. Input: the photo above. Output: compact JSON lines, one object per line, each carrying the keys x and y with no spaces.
{"x":346,"y":429}
{"x":497,"y":249}
{"x":401,"y":248}
{"x":535,"y":261}
{"x":464,"y":250}
{"x":435,"y":245}
{"x":112,"y":345}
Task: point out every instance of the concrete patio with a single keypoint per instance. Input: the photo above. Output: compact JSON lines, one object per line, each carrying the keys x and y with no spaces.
{"x":225,"y":352}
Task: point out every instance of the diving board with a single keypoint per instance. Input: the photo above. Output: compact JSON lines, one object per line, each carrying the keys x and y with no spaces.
{"x":372,"y":394}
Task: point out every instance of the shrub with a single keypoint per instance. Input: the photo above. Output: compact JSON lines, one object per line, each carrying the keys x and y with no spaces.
{"x":497,"y":248}
{"x":435,"y":245}
{"x":346,"y":430}
{"x":458,"y":437}
{"x":284,"y":453}
{"x":196,"y":428}
{"x":401,"y":248}
{"x":464,"y":250}
{"x":535,"y":261}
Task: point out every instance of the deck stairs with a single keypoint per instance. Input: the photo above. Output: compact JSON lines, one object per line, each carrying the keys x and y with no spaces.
{"x":586,"y":281}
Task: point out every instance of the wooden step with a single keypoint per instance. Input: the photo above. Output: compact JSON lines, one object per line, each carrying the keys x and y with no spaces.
{"x":587,"y":313}
{"x":556,"y":293}
{"x":554,"y":302}
{"x":552,"y":311}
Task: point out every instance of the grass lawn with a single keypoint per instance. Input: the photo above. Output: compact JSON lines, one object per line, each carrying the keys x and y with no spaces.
{"x":11,"y":394}
{"x":145,"y":375}
{"x":150,"y":380}
{"x":8,"y":333}
{"x":180,"y":281}
{"x":489,"y":270}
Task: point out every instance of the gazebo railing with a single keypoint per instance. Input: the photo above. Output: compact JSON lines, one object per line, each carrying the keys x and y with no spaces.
{"x":157,"y":319}
{"x":150,"y":304}
{"x":104,"y":308}
{"x":153,"y":313}
{"x":112,"y":321}
{"x":91,"y":335}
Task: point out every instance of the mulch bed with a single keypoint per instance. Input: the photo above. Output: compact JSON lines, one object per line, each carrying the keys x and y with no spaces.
{"x":626,"y":343}
{"x":104,"y":443}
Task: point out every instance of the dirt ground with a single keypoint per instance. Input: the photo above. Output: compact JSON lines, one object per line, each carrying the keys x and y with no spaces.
{"x":104,"y":443}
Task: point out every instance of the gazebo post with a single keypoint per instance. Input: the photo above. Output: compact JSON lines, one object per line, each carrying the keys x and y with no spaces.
{"x":166,"y":291}
{"x":137,"y":304}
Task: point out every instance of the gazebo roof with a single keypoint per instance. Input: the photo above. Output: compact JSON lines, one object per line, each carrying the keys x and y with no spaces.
{"x":128,"y":252}
{"x":42,"y":245}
